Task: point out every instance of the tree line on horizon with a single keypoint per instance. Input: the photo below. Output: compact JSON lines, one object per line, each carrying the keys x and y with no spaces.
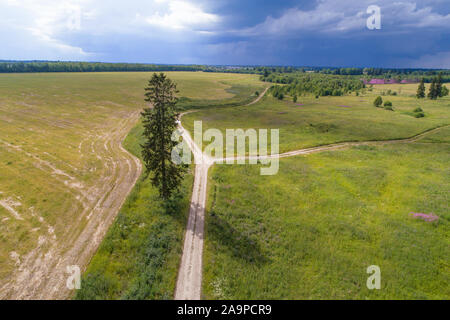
{"x":38,"y":66}
{"x":11,"y":66}
{"x":317,"y":84}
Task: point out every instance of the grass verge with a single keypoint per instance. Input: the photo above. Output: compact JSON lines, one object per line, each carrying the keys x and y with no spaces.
{"x":140,"y":255}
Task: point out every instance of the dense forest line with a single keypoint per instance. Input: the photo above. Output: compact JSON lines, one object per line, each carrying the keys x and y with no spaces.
{"x":278,"y":73}
{"x":317,"y":84}
{"x":290,"y":77}
{"x":44,"y":66}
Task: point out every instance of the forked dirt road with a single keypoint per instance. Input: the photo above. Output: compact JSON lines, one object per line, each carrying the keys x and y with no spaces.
{"x":190,"y":273}
{"x":189,"y":282}
{"x":43,"y":275}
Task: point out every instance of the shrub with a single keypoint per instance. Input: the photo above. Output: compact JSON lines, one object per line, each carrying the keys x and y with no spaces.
{"x":419,"y":115}
{"x":389,"y":108}
{"x":444,"y":91}
{"x":378,"y":102}
{"x":419,"y":109}
{"x":388,"y":104}
{"x":96,"y":286}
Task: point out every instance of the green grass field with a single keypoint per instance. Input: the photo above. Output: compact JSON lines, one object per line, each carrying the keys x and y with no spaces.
{"x":311,"y":231}
{"x":312,"y":122}
{"x":59,"y":148}
{"x":409,"y":90}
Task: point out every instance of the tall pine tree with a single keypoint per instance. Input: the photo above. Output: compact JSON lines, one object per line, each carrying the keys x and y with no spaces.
{"x":439,"y":85}
{"x":159,"y":124}
{"x":432,"y":93}
{"x":421,"y":90}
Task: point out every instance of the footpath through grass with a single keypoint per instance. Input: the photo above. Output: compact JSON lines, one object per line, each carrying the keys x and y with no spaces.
{"x":311,"y":231}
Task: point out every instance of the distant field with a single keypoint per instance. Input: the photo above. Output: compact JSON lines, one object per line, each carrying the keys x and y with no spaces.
{"x":400,"y":89}
{"x":60,"y":158}
{"x":311,"y":122}
{"x":311,"y":231}
{"x":212,"y":86}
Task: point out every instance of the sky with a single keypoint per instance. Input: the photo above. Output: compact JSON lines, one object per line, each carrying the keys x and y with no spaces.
{"x":412,"y":34}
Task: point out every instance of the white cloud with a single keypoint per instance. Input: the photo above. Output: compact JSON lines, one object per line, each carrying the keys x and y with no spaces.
{"x":171,"y":30}
{"x":183,"y":15}
{"x":80,"y":29}
{"x":41,"y":22}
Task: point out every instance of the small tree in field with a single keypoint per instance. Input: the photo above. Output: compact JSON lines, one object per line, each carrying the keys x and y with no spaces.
{"x":159,"y":124}
{"x":378,"y":102}
{"x":294,"y":98}
{"x":439,"y":86}
{"x":421,"y":90}
{"x":432,"y":94}
{"x":444,"y":91}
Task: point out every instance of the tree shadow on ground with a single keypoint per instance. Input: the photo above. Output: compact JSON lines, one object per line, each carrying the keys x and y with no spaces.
{"x":239,"y":244}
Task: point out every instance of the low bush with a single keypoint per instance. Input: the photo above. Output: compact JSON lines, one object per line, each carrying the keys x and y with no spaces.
{"x":419,"y":115}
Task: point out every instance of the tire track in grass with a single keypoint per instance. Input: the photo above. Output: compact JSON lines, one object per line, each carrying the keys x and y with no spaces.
{"x":43,"y":276}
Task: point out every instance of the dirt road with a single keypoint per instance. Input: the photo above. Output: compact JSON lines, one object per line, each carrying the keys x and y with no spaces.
{"x":259,"y":97}
{"x":43,"y":275}
{"x":190,"y":274}
{"x":189,"y":280}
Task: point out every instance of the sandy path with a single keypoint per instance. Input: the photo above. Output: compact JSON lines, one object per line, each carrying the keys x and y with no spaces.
{"x":43,"y":275}
{"x":189,"y":282}
{"x":190,"y":273}
{"x":259,"y":97}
